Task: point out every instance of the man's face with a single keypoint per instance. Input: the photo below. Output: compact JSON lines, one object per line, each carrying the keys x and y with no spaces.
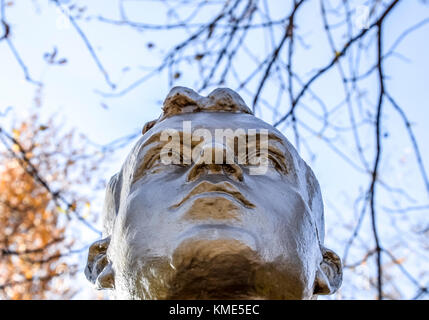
{"x":185,"y":227}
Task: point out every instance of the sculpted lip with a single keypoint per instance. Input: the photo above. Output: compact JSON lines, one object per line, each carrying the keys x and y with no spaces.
{"x":222,"y":187}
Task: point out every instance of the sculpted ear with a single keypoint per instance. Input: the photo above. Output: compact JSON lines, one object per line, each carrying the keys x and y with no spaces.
{"x":98,"y":269}
{"x":329,"y":273}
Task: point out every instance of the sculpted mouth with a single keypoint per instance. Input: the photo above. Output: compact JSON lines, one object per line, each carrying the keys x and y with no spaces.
{"x":219,"y":188}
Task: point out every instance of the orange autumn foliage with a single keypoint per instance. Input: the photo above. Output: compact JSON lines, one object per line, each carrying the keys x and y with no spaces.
{"x":33,"y":240}
{"x":28,"y":225}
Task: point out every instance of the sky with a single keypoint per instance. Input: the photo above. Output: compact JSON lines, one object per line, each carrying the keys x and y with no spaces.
{"x":72,"y":92}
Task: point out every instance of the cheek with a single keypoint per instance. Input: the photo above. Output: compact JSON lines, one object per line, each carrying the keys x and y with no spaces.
{"x":134,"y":235}
{"x":297,"y":222}
{"x":145,"y":213}
{"x":300,"y":233}
{"x":132,"y":225}
{"x":284,"y":209}
{"x":158,"y":191}
{"x":276,"y":193}
{"x":147,"y":219}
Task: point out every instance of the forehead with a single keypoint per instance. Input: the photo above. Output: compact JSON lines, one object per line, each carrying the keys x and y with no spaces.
{"x":213,"y":121}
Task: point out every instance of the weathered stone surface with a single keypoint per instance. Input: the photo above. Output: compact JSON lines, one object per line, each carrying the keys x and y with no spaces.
{"x":203,"y":230}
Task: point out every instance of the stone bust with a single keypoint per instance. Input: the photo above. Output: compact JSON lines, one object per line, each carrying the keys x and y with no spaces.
{"x":201,"y":229}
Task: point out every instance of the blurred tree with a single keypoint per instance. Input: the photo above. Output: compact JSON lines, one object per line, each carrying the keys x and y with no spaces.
{"x":34,"y":243}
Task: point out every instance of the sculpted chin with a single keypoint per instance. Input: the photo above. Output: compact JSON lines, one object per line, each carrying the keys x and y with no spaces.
{"x":196,"y":228}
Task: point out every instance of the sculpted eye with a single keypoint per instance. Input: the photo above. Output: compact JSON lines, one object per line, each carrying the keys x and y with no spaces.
{"x":172,"y":157}
{"x":154,"y":163}
{"x":273,"y":161}
{"x":279,"y":164}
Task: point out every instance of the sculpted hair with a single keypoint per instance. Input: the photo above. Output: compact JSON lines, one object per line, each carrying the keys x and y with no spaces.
{"x":182,"y":100}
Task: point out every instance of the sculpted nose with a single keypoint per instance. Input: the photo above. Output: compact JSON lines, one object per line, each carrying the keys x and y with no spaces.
{"x":214,"y":158}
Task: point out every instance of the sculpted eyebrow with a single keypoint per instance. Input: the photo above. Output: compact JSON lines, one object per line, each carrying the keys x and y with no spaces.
{"x":158,"y":144}
{"x":284,"y":152}
{"x":272,"y":136}
{"x":147,"y":159}
{"x":275,"y":138}
{"x":279,"y":150}
{"x":154,"y":150}
{"x":155,"y":140}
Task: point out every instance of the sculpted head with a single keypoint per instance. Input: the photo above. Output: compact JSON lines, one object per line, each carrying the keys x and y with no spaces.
{"x":193,"y":214}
